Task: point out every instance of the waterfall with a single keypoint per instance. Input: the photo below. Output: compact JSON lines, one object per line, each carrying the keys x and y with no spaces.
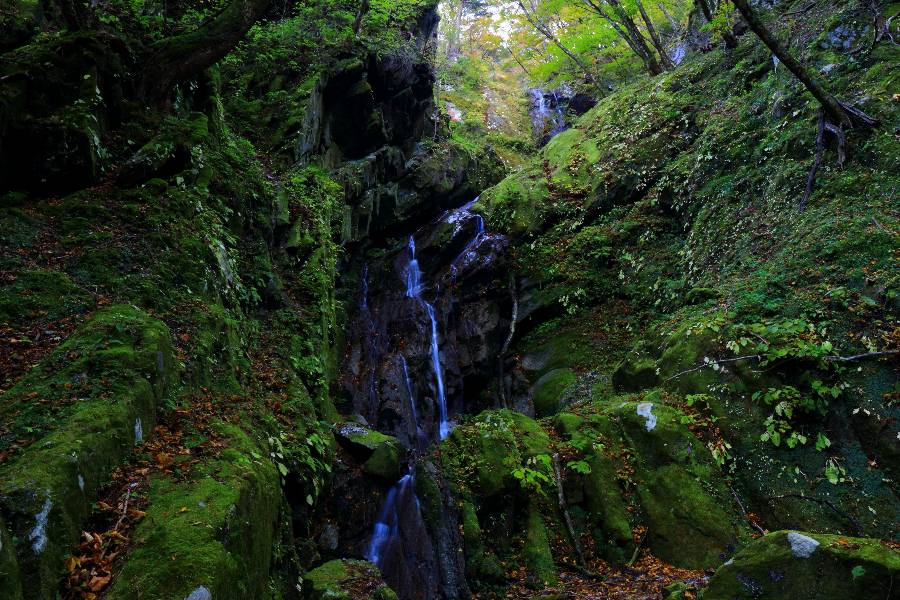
{"x":400,"y":544}
{"x":387,"y":528}
{"x":547,"y":118}
{"x":414,"y":290}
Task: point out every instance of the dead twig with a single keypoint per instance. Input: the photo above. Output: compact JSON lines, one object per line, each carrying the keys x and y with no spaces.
{"x":828,"y":503}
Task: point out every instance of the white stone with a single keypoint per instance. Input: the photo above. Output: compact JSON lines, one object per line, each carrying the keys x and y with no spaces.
{"x":802,"y":546}
{"x":645,"y":409}
{"x":201,"y":593}
{"x":81,"y":482}
{"x":138,"y":431}
{"x":38,"y":535}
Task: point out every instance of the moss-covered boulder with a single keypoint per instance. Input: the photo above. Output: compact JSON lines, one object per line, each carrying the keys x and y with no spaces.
{"x":118,"y":366}
{"x":690,"y":515}
{"x":549,"y":389}
{"x":215,"y":530}
{"x":482,"y":453}
{"x":346,"y":580}
{"x":536,"y":554}
{"x":637,"y":372}
{"x":788,"y":565}
{"x":380,"y":454}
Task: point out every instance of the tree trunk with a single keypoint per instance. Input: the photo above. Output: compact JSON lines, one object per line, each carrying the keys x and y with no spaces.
{"x":542,"y":28}
{"x":640,"y":50}
{"x":727,"y":35}
{"x":652,"y":64}
{"x":654,"y":37}
{"x":828,"y":102}
{"x":183,"y":56}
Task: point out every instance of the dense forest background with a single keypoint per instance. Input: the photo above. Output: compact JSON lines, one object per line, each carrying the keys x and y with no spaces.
{"x":371,"y":299}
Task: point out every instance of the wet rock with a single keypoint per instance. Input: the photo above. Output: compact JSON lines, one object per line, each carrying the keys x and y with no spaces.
{"x":786,"y":565}
{"x":346,"y":580}
{"x":547,"y":391}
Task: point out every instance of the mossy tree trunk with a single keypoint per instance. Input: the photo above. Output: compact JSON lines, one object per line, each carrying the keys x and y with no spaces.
{"x":654,"y":37}
{"x":183,"y":56}
{"x":727,"y":35}
{"x":829,"y":103}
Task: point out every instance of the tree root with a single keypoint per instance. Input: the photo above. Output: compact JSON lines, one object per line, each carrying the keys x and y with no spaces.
{"x":856,"y":118}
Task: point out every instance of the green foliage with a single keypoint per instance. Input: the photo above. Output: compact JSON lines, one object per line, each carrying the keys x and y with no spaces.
{"x":532,"y":475}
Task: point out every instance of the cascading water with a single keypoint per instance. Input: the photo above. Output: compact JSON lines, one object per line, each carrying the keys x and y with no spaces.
{"x":400,"y":544}
{"x":547,"y":118}
{"x":387,"y":528}
{"x":414,"y":290}
{"x":454,"y":218}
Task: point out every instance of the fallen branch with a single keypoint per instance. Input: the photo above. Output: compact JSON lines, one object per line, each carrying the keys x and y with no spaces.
{"x":637,"y":549}
{"x":565,"y":510}
{"x":744,"y":512}
{"x":862,"y":356}
{"x":827,"y":503}
{"x":724,"y":361}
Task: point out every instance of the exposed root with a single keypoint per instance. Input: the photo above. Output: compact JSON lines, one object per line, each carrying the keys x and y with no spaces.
{"x":855,"y":118}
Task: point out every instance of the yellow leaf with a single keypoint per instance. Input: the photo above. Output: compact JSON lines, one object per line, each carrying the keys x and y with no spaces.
{"x":72,"y":563}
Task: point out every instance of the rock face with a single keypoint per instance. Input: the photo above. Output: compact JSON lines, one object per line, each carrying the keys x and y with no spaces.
{"x":788,"y":565}
{"x":48,"y":490}
{"x":415,"y":337}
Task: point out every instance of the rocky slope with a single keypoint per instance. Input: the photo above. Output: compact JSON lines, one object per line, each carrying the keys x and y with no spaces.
{"x":285,"y":336}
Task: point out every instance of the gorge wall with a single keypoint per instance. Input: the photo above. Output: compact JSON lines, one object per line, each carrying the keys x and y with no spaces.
{"x":289,"y":333}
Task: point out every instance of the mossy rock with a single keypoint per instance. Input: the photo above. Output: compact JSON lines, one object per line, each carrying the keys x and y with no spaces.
{"x":385,"y":461}
{"x":568,"y":423}
{"x":216,"y":530}
{"x":635,"y":373}
{"x":547,"y":391}
{"x":536,"y":554}
{"x":687,"y":525}
{"x":47,"y":491}
{"x":788,"y":565}
{"x":49,"y":294}
{"x":480,"y":452}
{"x":481,"y":564}
{"x":379,"y":454}
{"x":346,"y":579}
{"x":684,"y":350}
{"x":607,"y":511}
{"x":691,"y":519}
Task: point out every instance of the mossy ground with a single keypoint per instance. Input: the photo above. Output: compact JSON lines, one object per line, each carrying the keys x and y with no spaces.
{"x":662,"y":233}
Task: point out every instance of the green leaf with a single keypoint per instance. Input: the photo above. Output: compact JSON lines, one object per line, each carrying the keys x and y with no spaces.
{"x":283,"y":469}
{"x":858,"y":571}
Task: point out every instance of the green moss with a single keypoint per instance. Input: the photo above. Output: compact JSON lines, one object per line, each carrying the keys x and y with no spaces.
{"x":838,"y":567}
{"x":687,"y":526}
{"x":384,"y":462}
{"x":482,"y":565}
{"x":483,"y":453}
{"x":610,"y":523}
{"x":548,"y":390}
{"x":216,"y":529}
{"x":338,"y":580}
{"x":536,"y":554}
{"x":130,"y":357}
{"x":37,"y":293}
